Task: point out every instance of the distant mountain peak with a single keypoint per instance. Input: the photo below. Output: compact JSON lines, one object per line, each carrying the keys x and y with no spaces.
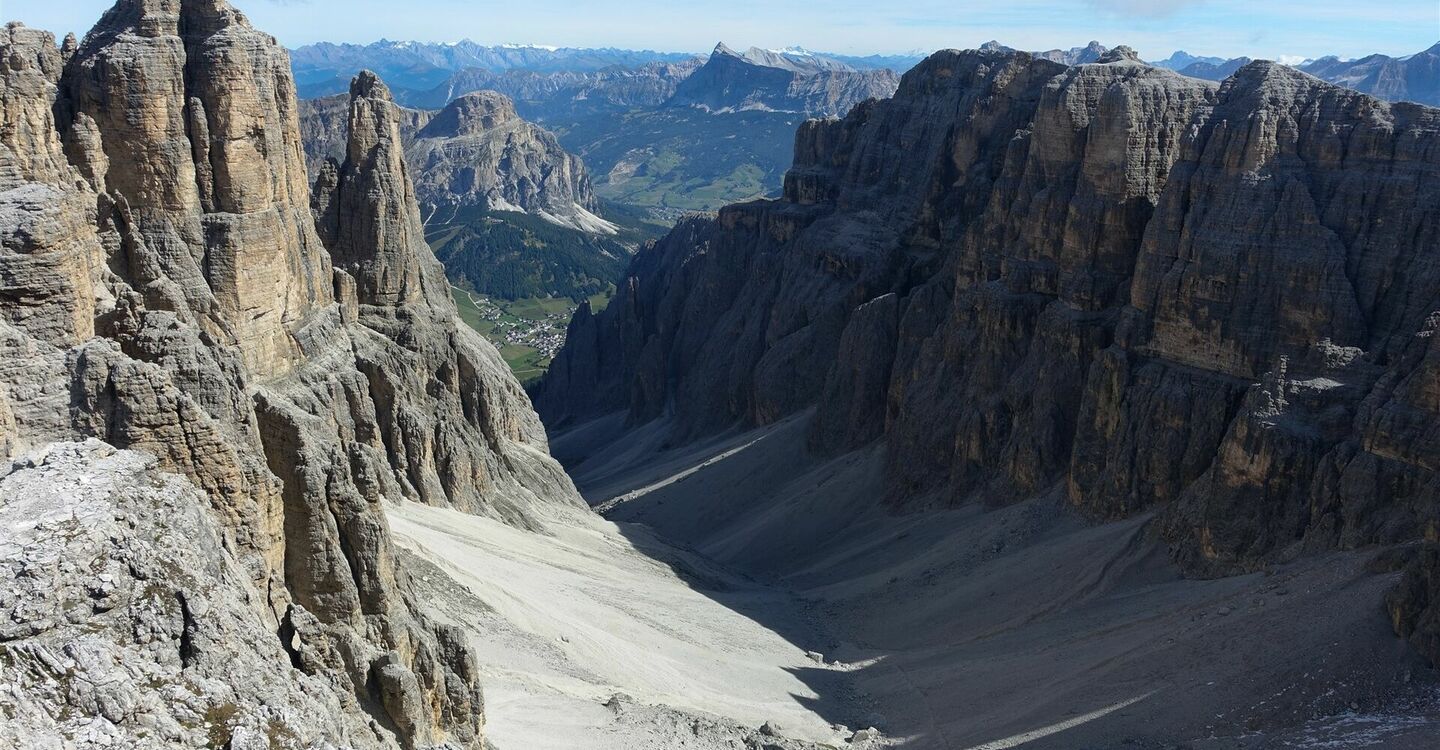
{"x":789,"y":80}
{"x":471,"y":114}
{"x":1121,"y":53}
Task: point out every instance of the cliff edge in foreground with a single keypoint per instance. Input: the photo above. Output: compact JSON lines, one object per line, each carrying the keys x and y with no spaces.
{"x":166,"y":291}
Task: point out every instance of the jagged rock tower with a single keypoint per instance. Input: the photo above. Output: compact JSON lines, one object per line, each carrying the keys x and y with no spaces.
{"x":163,"y":288}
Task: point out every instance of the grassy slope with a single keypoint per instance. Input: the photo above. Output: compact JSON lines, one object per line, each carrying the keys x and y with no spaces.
{"x":672,"y":160}
{"x":514,"y":255}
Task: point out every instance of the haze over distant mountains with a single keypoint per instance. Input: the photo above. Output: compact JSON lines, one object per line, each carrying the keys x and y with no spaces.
{"x":661,"y":131}
{"x":324,"y":69}
{"x":425,"y":73}
{"x":660,"y":134}
{"x":1412,"y":78}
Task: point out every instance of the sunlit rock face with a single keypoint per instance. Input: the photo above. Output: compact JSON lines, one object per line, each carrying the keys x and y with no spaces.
{"x":475,"y":154}
{"x":167,"y":291}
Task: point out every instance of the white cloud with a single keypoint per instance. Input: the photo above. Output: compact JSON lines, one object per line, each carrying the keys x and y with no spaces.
{"x":1147,"y":8}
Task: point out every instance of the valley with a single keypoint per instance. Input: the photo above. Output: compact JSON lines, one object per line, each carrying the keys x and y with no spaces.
{"x":741,"y":582}
{"x":419,"y":395}
{"x":671,"y":162}
{"x":527,"y":332}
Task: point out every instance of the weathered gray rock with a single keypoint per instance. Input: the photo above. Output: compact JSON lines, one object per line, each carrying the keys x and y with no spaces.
{"x":1414,"y":603}
{"x":127,"y":622}
{"x":203,"y":157}
{"x":478,"y":153}
{"x":1138,"y":288}
{"x":325,"y":129}
{"x":370,"y":224}
{"x":731,"y":82}
{"x":166,"y":291}
{"x":474,"y":155}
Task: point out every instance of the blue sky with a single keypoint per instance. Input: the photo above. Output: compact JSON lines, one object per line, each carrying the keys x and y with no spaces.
{"x":1276,"y":29}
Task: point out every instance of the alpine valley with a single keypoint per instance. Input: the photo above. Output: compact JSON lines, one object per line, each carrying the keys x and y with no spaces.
{"x":974,"y":400}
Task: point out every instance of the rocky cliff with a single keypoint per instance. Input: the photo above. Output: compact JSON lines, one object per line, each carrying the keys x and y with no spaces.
{"x":474,"y":154}
{"x":758,"y":80}
{"x":166,"y":291}
{"x":478,"y":153}
{"x":325,"y":128}
{"x":1139,"y":290}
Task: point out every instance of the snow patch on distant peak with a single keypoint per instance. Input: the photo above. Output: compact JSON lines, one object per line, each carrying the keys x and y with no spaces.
{"x":546,"y":47}
{"x":580,"y":219}
{"x":498,"y":203}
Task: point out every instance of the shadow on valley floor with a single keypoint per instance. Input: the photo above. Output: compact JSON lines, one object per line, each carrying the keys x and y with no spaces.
{"x":1019,"y":626}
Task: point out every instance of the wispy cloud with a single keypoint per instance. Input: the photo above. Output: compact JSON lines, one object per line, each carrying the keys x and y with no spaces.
{"x":1145,"y":8}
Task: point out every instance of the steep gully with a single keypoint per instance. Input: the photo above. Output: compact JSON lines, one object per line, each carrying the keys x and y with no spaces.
{"x":1018,"y":300}
{"x":308,"y":383}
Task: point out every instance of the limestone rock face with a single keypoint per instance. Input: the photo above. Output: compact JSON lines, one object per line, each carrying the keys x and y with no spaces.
{"x":478,"y":152}
{"x":368,"y":218}
{"x":325,"y":129}
{"x":475,"y":154}
{"x":48,"y":243}
{"x":1414,"y":603}
{"x":165,"y":290}
{"x":203,"y":162}
{"x":757,"y":79}
{"x":126,"y":616}
{"x":1139,"y":289}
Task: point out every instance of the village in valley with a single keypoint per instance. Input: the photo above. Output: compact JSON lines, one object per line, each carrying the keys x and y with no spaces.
{"x":528,"y":332}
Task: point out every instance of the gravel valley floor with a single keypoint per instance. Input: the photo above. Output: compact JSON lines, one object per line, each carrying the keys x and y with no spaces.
{"x":684,"y":617}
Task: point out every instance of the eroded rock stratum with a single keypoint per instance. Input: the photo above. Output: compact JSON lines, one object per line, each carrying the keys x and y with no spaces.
{"x":166,"y":290}
{"x":1139,"y":290}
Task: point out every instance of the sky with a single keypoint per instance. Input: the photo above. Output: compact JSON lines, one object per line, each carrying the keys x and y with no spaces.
{"x":1287,"y":30}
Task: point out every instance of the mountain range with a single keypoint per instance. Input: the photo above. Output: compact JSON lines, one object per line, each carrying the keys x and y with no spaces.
{"x":762,"y":80}
{"x":624,"y":112}
{"x":668,"y":138}
{"x":1047,"y":406}
{"x":1412,"y":78}
{"x":325,"y":68}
